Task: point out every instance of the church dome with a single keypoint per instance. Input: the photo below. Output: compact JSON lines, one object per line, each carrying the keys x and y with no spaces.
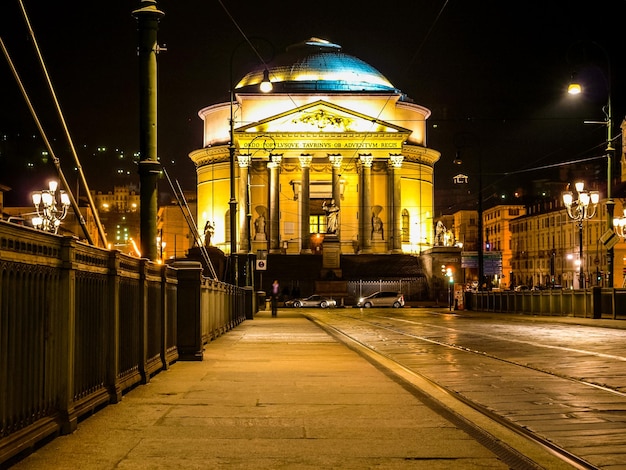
{"x":318,"y":65}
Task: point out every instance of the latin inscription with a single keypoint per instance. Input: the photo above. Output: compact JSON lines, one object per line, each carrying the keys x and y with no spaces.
{"x":325,"y":145}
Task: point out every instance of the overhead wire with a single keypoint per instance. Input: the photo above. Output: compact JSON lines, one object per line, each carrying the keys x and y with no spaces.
{"x":352,"y":159}
{"x":55,"y":159}
{"x":413,"y":58}
{"x":65,"y":128}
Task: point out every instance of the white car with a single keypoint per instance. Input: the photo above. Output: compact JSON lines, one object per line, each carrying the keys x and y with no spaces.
{"x":382,"y":299}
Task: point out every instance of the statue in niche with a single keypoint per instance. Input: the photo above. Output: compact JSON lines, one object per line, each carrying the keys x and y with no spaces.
{"x":449,"y":239}
{"x":209,"y":230}
{"x":377,"y":227}
{"x":440,"y":232}
{"x":332,"y":216}
{"x":259,"y":225}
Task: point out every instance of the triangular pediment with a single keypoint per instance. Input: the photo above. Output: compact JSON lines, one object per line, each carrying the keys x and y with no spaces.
{"x":322,"y":117}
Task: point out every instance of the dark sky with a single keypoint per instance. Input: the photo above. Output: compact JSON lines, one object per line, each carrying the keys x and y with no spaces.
{"x":492,"y":72}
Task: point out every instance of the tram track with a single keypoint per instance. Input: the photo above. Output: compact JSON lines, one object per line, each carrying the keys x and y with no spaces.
{"x":381,"y":340}
{"x":508,"y":361}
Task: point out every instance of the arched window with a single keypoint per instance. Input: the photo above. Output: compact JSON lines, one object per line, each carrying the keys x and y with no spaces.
{"x":406,"y":233}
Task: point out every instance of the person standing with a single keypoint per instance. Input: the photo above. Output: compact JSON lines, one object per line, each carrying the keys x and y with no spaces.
{"x":275,"y":294}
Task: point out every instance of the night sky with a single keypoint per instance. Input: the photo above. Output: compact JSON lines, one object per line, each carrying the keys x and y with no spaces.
{"x":493,"y":73}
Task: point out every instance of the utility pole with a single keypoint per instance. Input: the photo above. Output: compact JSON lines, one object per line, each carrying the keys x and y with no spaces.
{"x":148,"y":24}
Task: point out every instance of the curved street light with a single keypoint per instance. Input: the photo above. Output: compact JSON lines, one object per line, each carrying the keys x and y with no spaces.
{"x":581,"y":209}
{"x":619,"y":225}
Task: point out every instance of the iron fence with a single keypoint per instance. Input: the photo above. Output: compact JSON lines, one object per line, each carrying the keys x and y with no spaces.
{"x":595,"y":302}
{"x":412,"y":288}
{"x":79,"y":325}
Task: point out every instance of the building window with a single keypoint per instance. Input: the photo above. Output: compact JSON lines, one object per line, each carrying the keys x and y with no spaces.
{"x":317,"y":224}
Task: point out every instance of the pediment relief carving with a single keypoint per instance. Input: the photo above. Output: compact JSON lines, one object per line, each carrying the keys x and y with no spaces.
{"x":321,"y":117}
{"x":322,"y":120}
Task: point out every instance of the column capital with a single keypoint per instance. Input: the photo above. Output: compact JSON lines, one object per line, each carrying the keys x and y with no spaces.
{"x":275,"y":159}
{"x":335,"y":159}
{"x":244,"y":160}
{"x":396,"y":159}
{"x":305,"y":160}
{"x":366,"y":159}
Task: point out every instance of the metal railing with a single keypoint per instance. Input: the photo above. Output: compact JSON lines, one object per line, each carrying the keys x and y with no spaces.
{"x":595,"y":302}
{"x":412,"y":288}
{"x":79,"y":325}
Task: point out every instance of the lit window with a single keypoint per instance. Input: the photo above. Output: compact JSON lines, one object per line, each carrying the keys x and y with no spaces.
{"x":317,"y":224}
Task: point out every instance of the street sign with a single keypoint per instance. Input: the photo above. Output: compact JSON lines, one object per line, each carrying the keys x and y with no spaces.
{"x":609,"y":238}
{"x":261,"y":260}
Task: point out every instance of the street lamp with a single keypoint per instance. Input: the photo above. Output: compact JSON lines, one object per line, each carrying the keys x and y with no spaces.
{"x":49,"y":214}
{"x":583,"y":208}
{"x":619,"y":225}
{"x":265,"y":86}
{"x":575,"y":88}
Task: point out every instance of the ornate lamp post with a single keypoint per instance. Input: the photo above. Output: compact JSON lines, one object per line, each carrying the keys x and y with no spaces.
{"x":575,"y":88}
{"x":581,"y":209}
{"x":265,"y":86}
{"x":49,"y":214}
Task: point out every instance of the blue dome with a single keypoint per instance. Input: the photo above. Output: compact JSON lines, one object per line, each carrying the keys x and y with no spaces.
{"x":318,"y":65}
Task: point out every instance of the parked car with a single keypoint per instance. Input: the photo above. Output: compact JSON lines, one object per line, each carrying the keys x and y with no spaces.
{"x":521,"y":288}
{"x":312,"y":301}
{"x":382,"y":299}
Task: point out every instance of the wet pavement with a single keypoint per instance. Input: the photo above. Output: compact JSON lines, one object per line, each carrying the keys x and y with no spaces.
{"x":559,"y":378}
{"x":285,"y":393}
{"x":272,"y":393}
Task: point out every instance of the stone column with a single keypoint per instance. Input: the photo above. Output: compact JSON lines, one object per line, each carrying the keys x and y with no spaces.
{"x":305,"y":201}
{"x":244,"y":197}
{"x":365,"y":206}
{"x":336,"y":160}
{"x":274,"y":198}
{"x":395,"y":214}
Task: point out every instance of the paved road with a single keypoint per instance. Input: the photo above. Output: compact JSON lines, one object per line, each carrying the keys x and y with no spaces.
{"x":281,"y":393}
{"x":562,"y":379}
{"x":272,"y":393}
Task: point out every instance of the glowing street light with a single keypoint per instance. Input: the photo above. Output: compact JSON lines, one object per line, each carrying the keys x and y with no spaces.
{"x":581,"y":209}
{"x":265,"y":86}
{"x":619,"y":225}
{"x":50,"y":212}
{"x":575,"y":88}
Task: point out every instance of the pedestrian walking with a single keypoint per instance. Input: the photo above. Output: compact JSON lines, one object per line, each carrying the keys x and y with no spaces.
{"x":275,"y":294}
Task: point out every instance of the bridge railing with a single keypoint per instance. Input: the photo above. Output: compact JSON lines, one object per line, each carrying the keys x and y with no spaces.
{"x":595,"y":302}
{"x":79,"y":325}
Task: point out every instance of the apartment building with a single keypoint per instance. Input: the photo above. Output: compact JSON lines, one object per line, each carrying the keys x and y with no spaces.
{"x":546,"y":248}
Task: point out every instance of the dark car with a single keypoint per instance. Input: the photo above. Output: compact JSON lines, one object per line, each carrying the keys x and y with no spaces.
{"x":312,"y":301}
{"x":382,"y":299}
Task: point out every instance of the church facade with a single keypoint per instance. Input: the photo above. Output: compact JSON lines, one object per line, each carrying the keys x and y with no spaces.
{"x":333,"y":152}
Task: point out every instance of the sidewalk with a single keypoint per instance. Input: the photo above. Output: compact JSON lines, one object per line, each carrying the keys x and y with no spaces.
{"x":272,"y":393}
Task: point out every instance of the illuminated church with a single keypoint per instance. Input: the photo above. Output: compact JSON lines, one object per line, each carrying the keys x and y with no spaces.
{"x":334,"y":152}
